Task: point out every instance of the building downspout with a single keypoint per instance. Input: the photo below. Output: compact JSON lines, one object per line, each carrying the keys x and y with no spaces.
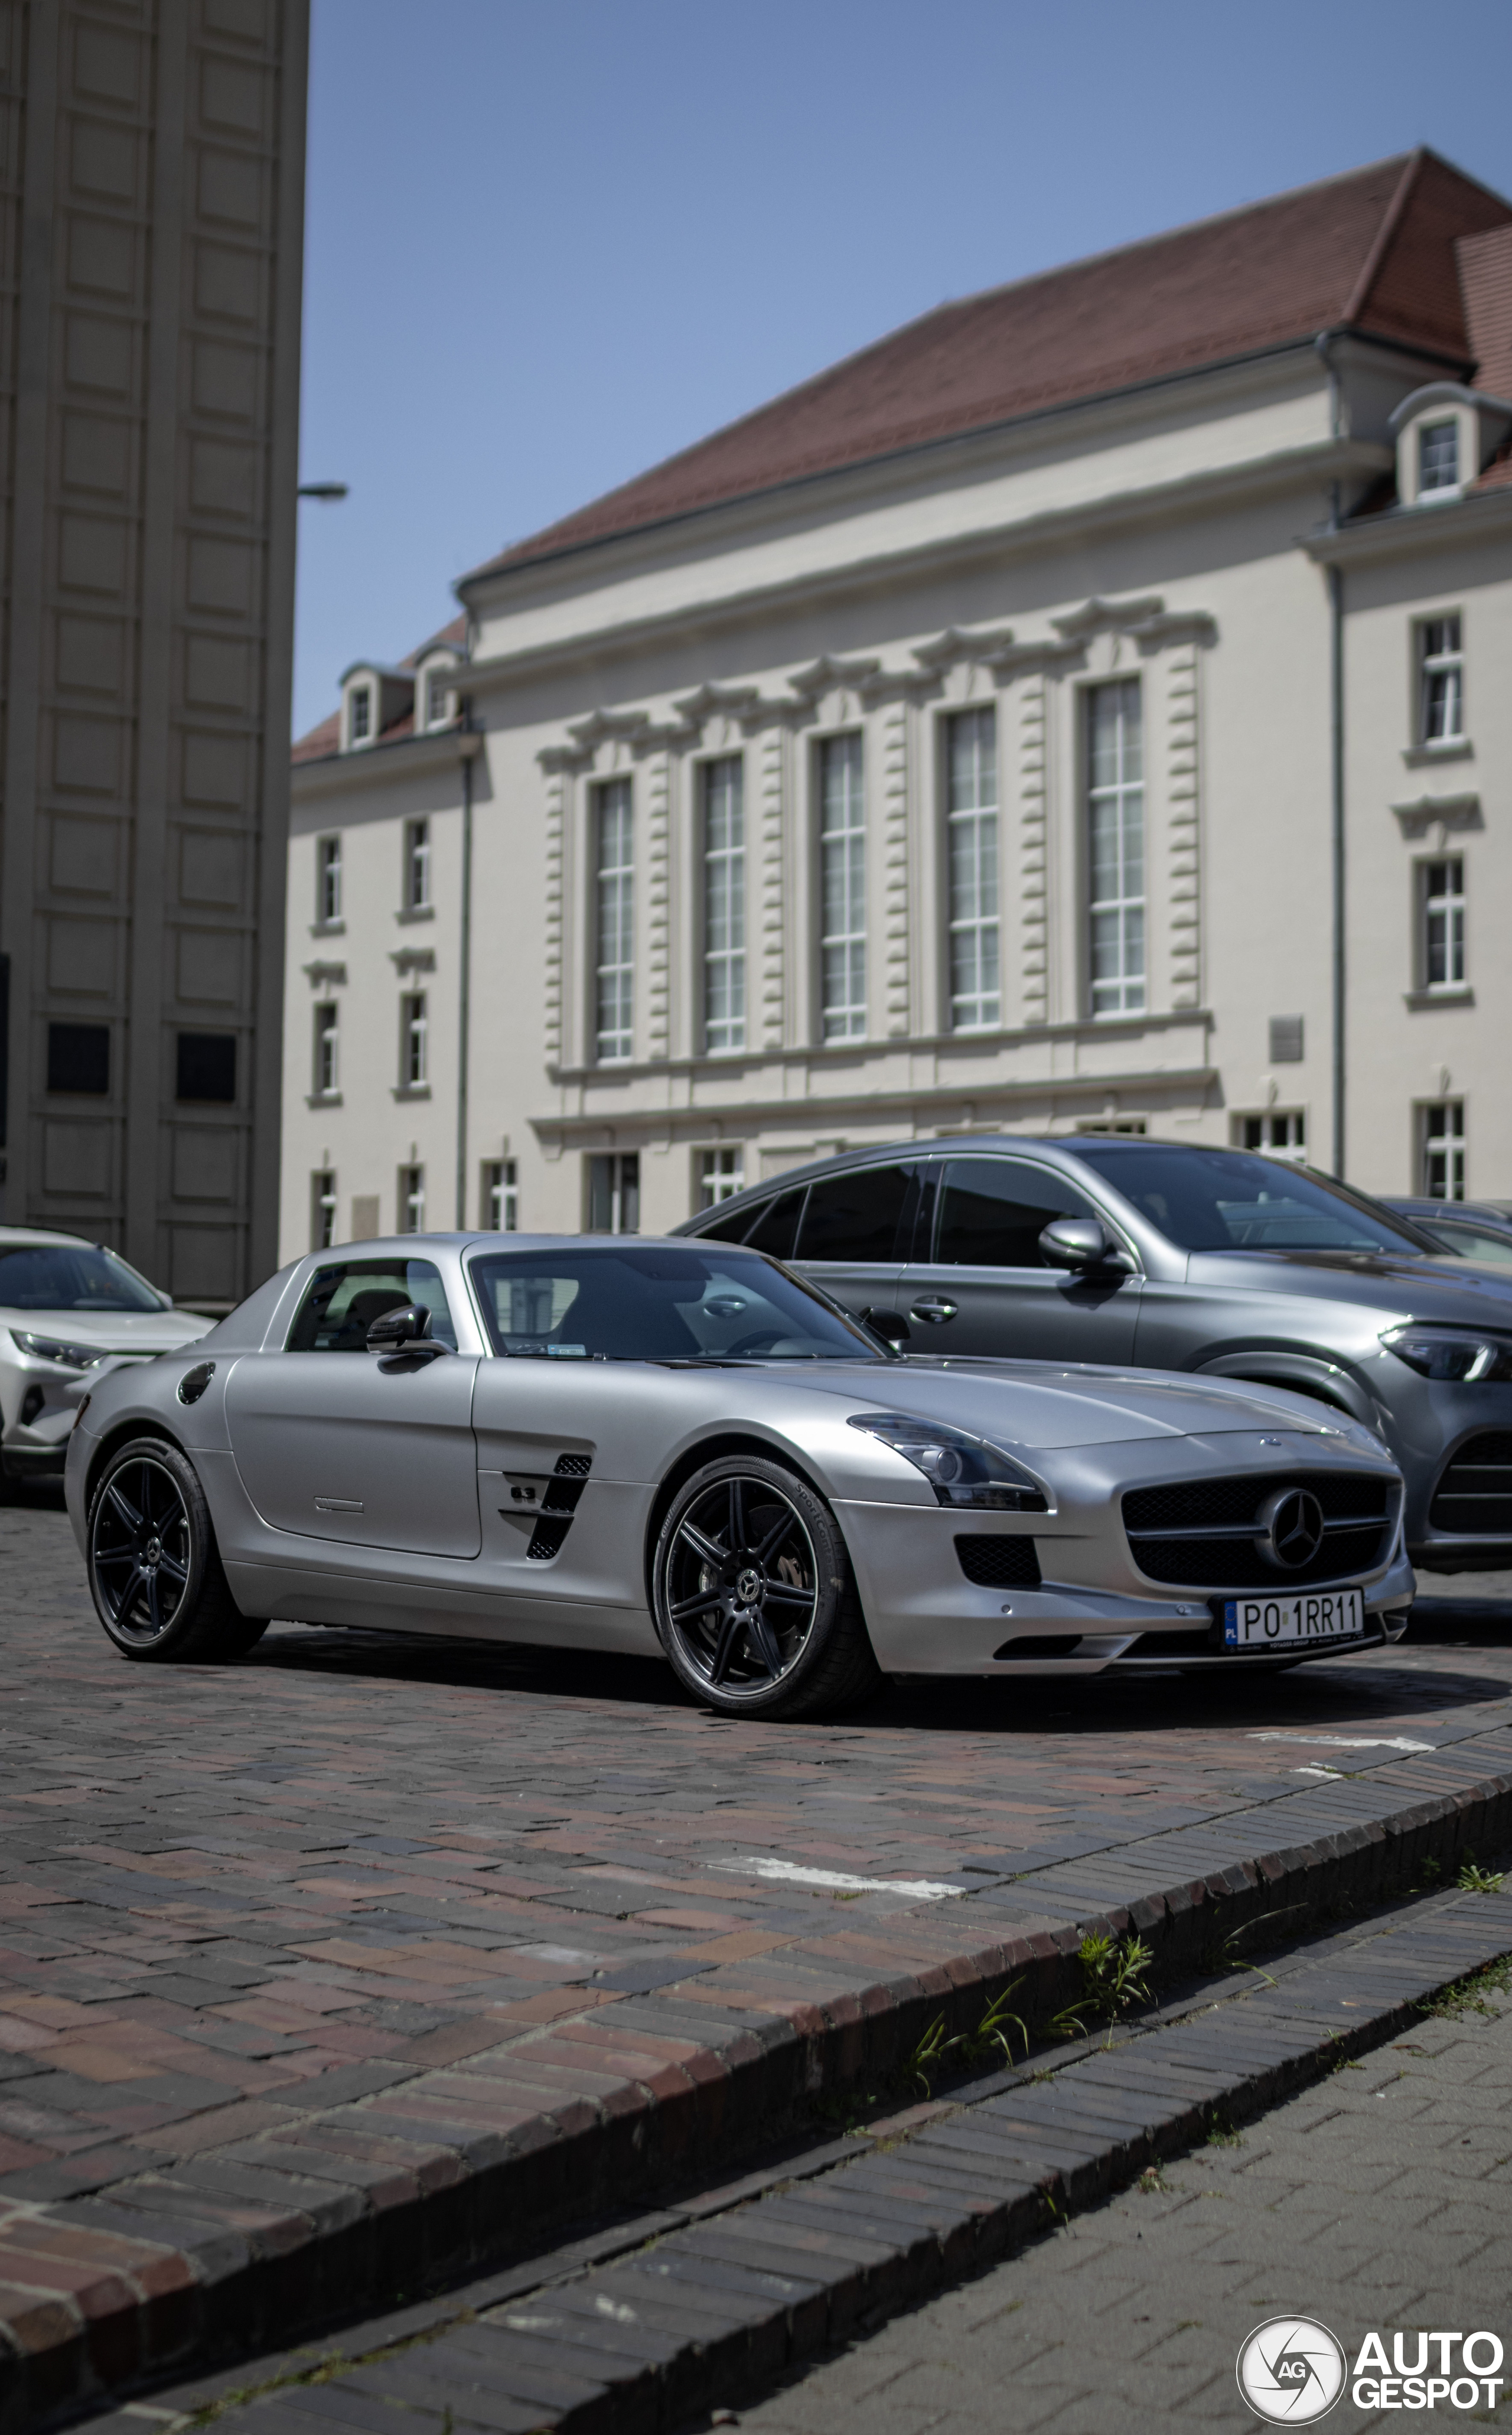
{"x":1335,"y":581}
{"x":465,"y":959}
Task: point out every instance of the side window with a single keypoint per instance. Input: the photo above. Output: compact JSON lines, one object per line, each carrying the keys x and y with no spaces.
{"x":856,"y":1217}
{"x":993,"y":1211}
{"x":776,"y":1229}
{"x":733,"y":1228}
{"x":344,"y":1297}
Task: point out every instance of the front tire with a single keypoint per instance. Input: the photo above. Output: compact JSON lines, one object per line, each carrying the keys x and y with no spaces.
{"x":155,"y":1573}
{"x":755,"y":1601}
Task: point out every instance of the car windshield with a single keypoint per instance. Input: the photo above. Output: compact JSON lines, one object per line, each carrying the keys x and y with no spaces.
{"x":1468,"y":1241}
{"x":657,"y":1303}
{"x":1232,"y":1200}
{"x":71,"y":1276}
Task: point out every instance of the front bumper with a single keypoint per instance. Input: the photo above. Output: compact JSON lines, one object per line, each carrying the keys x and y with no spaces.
{"x":924,"y":1618}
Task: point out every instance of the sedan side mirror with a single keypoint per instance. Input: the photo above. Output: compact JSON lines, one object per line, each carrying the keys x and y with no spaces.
{"x":406,"y":1330}
{"x":1082,"y":1244}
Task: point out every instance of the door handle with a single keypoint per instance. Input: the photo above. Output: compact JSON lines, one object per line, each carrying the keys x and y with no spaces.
{"x":933,"y":1308}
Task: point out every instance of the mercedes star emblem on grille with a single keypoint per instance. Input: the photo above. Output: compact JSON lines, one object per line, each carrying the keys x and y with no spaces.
{"x":1291,"y":1528}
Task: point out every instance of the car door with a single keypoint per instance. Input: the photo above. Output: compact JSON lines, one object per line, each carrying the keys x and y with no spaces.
{"x":856,"y":1230}
{"x":988,"y":1287}
{"x":366,"y":1449}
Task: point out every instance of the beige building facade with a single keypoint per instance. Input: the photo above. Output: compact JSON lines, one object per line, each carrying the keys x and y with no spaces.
{"x":1087,"y":709}
{"x":151,"y":188}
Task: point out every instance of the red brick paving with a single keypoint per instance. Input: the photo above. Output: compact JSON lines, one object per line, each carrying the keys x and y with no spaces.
{"x":374,"y":1901}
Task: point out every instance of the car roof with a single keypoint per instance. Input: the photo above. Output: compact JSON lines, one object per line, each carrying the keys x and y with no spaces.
{"x":406,"y":1246}
{"x":1470,"y":1213}
{"x":1057,"y":1145}
{"x":24,"y":1235}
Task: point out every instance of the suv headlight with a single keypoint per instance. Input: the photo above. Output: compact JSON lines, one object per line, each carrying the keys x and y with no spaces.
{"x":1451,"y":1352}
{"x":961,"y":1470}
{"x":47,"y":1348}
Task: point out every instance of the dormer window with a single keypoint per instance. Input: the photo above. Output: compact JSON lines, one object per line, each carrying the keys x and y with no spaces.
{"x":1438,"y":455}
{"x":360,"y":726}
{"x":436,"y":688}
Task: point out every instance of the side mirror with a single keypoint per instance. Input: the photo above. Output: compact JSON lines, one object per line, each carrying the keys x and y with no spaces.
{"x":889,"y":1325}
{"x":406,"y":1330}
{"x":1081,"y":1244}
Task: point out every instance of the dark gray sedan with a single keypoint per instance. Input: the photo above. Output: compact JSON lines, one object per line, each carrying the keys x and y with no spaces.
{"x":1116,"y":1248}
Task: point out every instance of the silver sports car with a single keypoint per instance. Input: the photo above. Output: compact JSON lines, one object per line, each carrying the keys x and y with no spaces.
{"x":617,"y":1443}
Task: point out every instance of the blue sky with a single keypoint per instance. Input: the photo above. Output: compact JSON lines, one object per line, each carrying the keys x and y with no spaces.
{"x":548,"y":245}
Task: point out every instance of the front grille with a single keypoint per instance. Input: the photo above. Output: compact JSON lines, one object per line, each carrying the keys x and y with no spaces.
{"x":1199,"y":1533}
{"x":999,"y":1563}
{"x":1474,"y":1497}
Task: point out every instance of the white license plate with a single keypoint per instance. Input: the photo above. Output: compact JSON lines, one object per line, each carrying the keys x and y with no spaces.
{"x":1282,"y":1622}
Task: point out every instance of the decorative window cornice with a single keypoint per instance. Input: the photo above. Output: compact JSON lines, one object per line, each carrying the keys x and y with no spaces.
{"x":321,"y":975}
{"x":412,"y":959}
{"x":1096,"y":616}
{"x":1453,"y":811}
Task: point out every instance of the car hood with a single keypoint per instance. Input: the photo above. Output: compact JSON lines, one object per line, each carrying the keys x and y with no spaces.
{"x":1460,"y":1293}
{"x":112,"y":1331}
{"x":1073,"y":1403}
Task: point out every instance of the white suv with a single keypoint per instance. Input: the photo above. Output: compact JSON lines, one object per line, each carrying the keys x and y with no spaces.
{"x":68,"y":1310}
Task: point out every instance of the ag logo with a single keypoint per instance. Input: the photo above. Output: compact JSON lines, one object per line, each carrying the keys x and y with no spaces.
{"x":1291,"y":2370}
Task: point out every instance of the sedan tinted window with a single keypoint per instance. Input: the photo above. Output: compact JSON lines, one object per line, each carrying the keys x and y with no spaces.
{"x":660,"y":1303}
{"x":343,"y":1299}
{"x":776,"y":1228}
{"x":992,"y":1212}
{"x":855,"y":1217}
{"x":1228,"y":1201}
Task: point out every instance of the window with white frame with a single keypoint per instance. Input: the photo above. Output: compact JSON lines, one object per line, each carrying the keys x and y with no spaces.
{"x":1438,"y":455}
{"x":1442,"y":952}
{"x":615,"y":1193}
{"x":723,"y":904}
{"x":437,"y":685}
{"x":613,"y":913}
{"x":359,"y":715}
{"x":721,"y":1174}
{"x":842,"y":889}
{"x":500,"y":1197}
{"x":1440,"y":682}
{"x":327,"y":880}
{"x":1115,"y":846}
{"x":412,"y":1040}
{"x":327,"y":1052}
{"x":322,"y":1210}
{"x":972,"y":856}
{"x":411,"y":1201}
{"x":1280,"y":1132}
{"x":416,"y":875}
{"x":1442,"y":1139}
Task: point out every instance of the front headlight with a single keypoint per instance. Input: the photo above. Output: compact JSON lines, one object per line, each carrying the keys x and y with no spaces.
{"x":961,"y":1470}
{"x":47,"y":1348}
{"x":1449,"y":1353}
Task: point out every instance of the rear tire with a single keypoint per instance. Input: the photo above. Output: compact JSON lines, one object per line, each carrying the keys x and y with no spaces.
{"x":155,"y":1572}
{"x":755,"y":1600}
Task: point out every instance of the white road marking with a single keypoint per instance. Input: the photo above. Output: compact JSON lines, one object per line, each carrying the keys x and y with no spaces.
{"x":789,"y":1873}
{"x":1346,"y":1741}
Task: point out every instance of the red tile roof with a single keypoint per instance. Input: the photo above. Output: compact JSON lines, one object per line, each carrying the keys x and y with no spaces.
{"x":1373,"y":250}
{"x":1486,"y":275}
{"x":321,"y":742}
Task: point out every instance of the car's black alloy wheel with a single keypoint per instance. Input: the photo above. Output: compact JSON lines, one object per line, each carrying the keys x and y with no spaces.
{"x":154,"y":1570}
{"x":755,"y":1601}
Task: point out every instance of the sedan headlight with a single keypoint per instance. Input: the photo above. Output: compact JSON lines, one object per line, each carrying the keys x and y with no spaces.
{"x":1449,"y":1353}
{"x":47,"y":1348}
{"x":961,"y":1470}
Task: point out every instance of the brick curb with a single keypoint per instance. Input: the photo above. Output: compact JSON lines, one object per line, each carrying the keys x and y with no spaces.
{"x":661,"y":2319}
{"x":331,"y":2210}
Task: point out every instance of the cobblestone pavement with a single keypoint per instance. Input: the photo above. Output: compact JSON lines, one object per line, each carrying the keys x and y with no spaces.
{"x":305,"y":1878}
{"x":1379,"y":2200}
